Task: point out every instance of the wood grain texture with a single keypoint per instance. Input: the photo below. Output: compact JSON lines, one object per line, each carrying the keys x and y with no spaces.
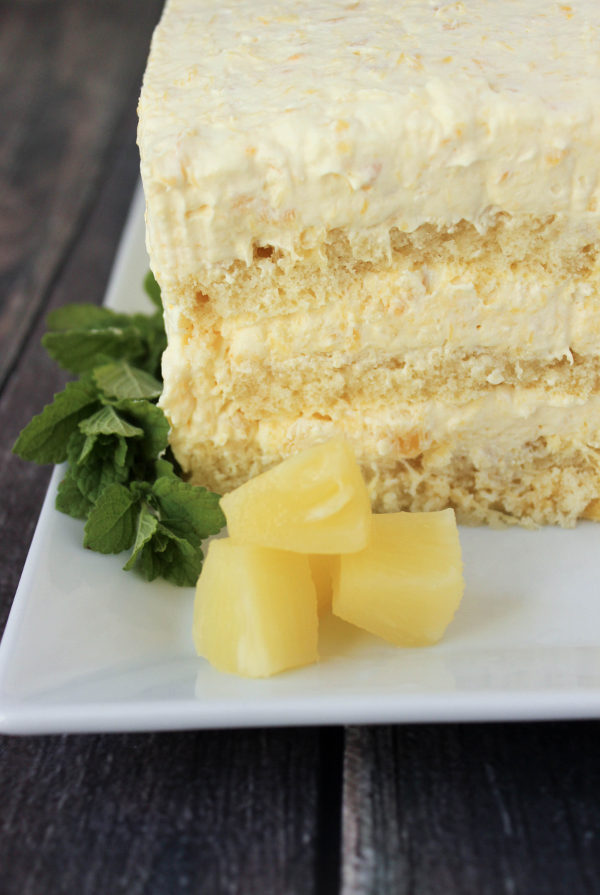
{"x":493,"y":810}
{"x":70,"y":75}
{"x":69,"y":71}
{"x":212,"y":813}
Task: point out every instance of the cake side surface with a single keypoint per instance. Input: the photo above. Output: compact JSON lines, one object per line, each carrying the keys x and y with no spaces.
{"x":478,"y":386}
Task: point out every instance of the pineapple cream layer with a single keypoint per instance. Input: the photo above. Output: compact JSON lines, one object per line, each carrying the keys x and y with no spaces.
{"x":272,"y":124}
{"x":382,"y":220}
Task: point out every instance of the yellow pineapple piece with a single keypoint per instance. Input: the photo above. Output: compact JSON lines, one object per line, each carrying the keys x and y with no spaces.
{"x":255,"y":611}
{"x":322,"y":568}
{"x":313,"y":502}
{"x":407,"y":584}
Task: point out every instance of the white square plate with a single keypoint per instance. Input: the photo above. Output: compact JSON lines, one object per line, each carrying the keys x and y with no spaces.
{"x":91,"y":648}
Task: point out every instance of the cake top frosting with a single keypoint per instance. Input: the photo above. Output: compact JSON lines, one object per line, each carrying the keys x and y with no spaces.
{"x":270,"y":123}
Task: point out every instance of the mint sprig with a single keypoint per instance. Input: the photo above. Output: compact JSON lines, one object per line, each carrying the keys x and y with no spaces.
{"x":81,"y":337}
{"x":165,"y":524}
{"x":114,"y":437}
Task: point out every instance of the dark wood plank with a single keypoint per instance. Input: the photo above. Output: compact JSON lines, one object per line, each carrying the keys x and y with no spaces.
{"x":212,"y":813}
{"x":70,"y":75}
{"x":483,"y":809}
{"x":69,"y":71}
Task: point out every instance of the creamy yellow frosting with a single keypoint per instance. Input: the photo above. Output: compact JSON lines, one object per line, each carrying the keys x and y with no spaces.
{"x":487,"y":428}
{"x":270,"y":123}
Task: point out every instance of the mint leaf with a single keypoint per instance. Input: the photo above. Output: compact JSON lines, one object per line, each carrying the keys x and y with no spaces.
{"x":191,"y":512}
{"x":98,"y":461}
{"x":140,"y":489}
{"x":146,"y":528}
{"x":70,"y":500}
{"x":121,"y":452}
{"x":152,"y":289}
{"x":152,"y":421}
{"x":83,"y":336}
{"x":170,"y":557}
{"x":45,"y":438}
{"x":111,"y":525}
{"x":78,"y":350}
{"x":109,"y":448}
{"x":121,"y":380}
{"x":85,"y":316}
{"x":105,"y":444}
{"x":117,"y":446}
{"x":108,"y":422}
{"x":164,"y":467}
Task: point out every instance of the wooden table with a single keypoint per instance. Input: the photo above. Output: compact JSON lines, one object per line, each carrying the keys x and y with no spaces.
{"x":498,"y":808}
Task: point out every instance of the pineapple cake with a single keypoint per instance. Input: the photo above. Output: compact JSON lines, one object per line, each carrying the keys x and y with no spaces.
{"x":381,"y":221}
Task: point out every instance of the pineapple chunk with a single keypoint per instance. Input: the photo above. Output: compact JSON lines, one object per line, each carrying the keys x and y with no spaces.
{"x":255,"y":611}
{"x":407,"y":584}
{"x":313,"y":502}
{"x":322,"y":567}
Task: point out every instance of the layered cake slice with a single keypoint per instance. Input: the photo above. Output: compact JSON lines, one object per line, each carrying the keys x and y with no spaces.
{"x":382,"y":220}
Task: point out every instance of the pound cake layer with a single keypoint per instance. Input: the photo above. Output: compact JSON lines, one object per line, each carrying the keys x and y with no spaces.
{"x":510,"y":457}
{"x":266,"y":389}
{"x":528,"y":258}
